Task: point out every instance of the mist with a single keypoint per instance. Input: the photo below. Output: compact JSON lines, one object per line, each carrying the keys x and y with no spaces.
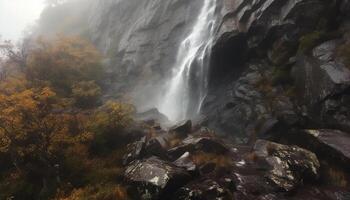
{"x":18,"y":16}
{"x":174,"y":99}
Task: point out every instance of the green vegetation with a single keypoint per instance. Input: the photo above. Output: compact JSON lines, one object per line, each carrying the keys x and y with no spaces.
{"x":309,"y":41}
{"x":282,"y":76}
{"x":56,"y":139}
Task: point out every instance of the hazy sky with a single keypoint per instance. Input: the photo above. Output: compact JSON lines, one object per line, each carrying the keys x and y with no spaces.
{"x":16,"y":15}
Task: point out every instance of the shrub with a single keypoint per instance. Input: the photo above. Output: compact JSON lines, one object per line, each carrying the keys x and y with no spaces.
{"x":219,"y":160}
{"x":64,"y":62}
{"x":99,"y":192}
{"x":108,"y":125}
{"x":86,"y":94}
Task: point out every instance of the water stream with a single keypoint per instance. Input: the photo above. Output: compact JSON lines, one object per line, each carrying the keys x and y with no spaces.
{"x":187,"y":87}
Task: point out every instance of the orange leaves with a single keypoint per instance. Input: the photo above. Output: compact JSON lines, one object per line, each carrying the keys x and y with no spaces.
{"x":64,"y":62}
{"x":114,"y":115}
{"x":86,"y":94}
{"x":29,"y":123}
{"x":45,"y":94}
{"x":5,"y":142}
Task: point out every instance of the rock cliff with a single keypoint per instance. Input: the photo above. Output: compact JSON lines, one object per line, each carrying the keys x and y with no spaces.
{"x":141,"y":40}
{"x":279,"y":70}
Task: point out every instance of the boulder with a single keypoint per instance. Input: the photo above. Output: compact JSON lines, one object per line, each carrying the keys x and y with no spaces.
{"x":253,"y":186}
{"x":206,"y":189}
{"x":154,"y":179}
{"x":198,"y":143}
{"x":156,"y":147}
{"x":332,"y":148}
{"x":331,"y":145}
{"x":182,"y":129}
{"x":134,"y":151}
{"x":185,"y":162}
{"x":290,"y":165}
{"x":152,"y":115}
{"x":323,"y":193}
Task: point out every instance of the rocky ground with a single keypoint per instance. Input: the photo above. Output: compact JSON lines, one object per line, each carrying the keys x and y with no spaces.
{"x":192,"y":162}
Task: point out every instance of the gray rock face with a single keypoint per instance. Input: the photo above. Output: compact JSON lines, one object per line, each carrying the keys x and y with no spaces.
{"x":154,"y":178}
{"x":240,"y":99}
{"x":141,"y":40}
{"x":260,"y":17}
{"x":322,"y":81}
{"x":255,"y":29}
{"x":322,"y":75}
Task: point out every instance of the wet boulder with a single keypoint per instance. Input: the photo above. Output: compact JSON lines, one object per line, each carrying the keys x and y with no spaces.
{"x":134,"y":151}
{"x":290,"y":165}
{"x":253,"y":186}
{"x":156,"y":147}
{"x":182,"y":129}
{"x":185,"y":162}
{"x":207,"y":189}
{"x":198,"y":143}
{"x":322,"y":193}
{"x":154,"y":179}
{"x":335,"y":141}
{"x":330,"y":145}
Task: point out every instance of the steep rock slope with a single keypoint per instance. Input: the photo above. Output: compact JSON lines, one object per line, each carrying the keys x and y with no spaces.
{"x":141,"y":40}
{"x":269,"y":66}
{"x":279,"y":70}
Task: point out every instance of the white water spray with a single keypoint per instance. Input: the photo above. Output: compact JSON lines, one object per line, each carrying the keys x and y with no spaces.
{"x":178,"y":100}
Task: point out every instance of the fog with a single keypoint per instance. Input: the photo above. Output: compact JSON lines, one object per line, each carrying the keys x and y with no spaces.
{"x":16,"y":16}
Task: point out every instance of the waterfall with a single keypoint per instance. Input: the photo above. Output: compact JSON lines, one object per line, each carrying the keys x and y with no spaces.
{"x":187,"y":88}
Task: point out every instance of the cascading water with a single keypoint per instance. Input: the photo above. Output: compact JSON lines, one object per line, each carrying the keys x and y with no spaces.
{"x":187,"y":88}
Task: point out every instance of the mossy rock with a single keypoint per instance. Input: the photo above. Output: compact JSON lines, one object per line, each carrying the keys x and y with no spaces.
{"x":282,"y":76}
{"x":309,"y":41}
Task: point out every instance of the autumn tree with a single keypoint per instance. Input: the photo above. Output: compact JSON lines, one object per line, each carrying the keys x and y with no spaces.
{"x":52,"y":129}
{"x":86,"y":94}
{"x":108,"y":124}
{"x":16,"y":54}
{"x":64,"y":62}
{"x":35,"y":132}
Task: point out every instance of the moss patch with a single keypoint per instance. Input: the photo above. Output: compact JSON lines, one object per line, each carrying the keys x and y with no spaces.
{"x":309,"y":41}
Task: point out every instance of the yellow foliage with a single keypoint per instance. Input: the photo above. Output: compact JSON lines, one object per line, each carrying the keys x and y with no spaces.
{"x":64,"y":62}
{"x":45,"y":141}
{"x":86,"y":93}
{"x":33,"y":122}
{"x":114,"y":115}
{"x":100,"y":192}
